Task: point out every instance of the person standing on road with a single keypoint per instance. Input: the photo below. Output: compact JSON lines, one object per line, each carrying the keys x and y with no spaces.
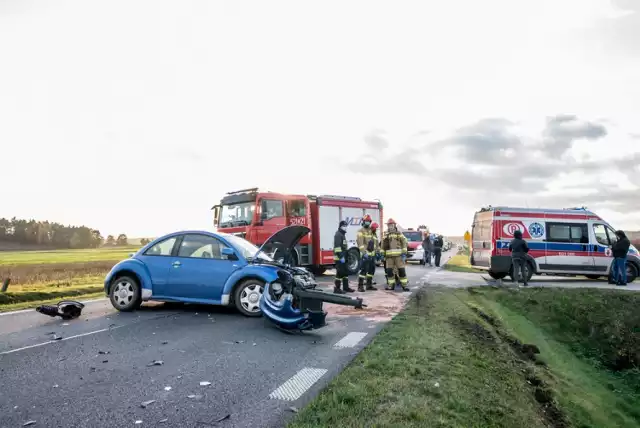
{"x":367,"y":245}
{"x":438,"y":242}
{"x":339,"y":257}
{"x":619,"y":250}
{"x":519,"y":250}
{"x":394,"y":246}
{"x":427,"y":247}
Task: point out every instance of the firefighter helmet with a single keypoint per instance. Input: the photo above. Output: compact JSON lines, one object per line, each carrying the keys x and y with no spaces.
{"x":367,"y":217}
{"x":391,"y":221}
{"x":374,"y":226}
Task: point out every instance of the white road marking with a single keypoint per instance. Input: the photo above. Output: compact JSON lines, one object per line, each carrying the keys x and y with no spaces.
{"x":350,"y":340}
{"x":299,"y":383}
{"x":23,"y":311}
{"x":61,"y":340}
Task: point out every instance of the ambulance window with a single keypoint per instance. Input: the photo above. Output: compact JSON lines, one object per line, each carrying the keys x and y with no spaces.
{"x":601,"y":234}
{"x":567,"y":232}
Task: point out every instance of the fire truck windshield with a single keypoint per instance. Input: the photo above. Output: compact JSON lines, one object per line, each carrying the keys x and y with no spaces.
{"x":237,"y":214}
{"x":413,"y":236}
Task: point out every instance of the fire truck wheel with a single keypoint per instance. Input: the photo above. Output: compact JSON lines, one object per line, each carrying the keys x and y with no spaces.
{"x":353,"y":261}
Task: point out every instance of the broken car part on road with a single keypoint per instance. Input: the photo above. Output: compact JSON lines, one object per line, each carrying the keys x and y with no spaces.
{"x":66,"y":309}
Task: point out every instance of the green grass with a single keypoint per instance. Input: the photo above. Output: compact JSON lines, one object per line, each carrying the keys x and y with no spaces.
{"x":65,"y":256}
{"x":460,"y":263}
{"x":465,"y":341}
{"x":35,"y":303}
{"x":31,"y":295}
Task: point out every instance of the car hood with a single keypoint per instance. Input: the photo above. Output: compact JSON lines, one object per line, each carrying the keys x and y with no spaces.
{"x":286,"y":238}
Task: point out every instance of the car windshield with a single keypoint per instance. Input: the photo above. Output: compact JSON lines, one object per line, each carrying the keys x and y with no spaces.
{"x":413,"y":236}
{"x":246,"y":248}
{"x":237,"y":214}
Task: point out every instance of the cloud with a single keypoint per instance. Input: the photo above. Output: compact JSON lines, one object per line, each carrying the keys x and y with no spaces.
{"x":376,"y":139}
{"x":490,"y":161}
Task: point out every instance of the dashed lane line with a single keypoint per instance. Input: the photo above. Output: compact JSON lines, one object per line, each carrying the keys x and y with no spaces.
{"x":350,"y":340}
{"x":299,"y":383}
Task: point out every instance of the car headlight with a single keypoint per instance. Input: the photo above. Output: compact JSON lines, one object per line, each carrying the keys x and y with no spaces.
{"x":276,"y":287}
{"x":419,"y":247}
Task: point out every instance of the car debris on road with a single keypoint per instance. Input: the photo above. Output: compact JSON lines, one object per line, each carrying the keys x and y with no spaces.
{"x":65,"y":309}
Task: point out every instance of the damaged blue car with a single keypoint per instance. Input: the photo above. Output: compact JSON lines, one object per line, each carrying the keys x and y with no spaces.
{"x":221,"y":269}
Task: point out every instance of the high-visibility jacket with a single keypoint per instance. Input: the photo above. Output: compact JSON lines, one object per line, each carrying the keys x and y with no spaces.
{"x":394,"y":244}
{"x":339,"y":245}
{"x":367,"y":241}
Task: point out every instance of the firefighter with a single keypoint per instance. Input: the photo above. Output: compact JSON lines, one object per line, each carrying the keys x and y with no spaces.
{"x":394,"y":247}
{"x":367,"y":244}
{"x":340,"y":259}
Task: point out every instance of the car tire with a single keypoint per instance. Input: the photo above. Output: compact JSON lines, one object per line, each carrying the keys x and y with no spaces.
{"x":593,"y":276}
{"x":247,"y":296}
{"x":125,"y":294}
{"x":632,"y":272}
{"x":497,"y":275}
{"x":353,"y":261}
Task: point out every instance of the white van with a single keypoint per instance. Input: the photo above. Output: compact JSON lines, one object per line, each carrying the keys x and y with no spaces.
{"x":571,"y":241}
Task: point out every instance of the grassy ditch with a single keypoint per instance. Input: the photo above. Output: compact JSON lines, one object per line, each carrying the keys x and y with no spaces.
{"x":492,"y":358}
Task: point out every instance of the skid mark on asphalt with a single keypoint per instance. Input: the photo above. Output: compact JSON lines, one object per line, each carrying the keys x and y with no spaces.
{"x":350,"y":340}
{"x":298,"y":384}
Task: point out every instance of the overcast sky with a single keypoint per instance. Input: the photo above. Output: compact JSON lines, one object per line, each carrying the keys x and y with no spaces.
{"x":137,"y":116}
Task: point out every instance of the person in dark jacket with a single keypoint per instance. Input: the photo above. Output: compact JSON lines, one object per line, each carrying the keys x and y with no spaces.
{"x":438,"y":243}
{"x":340,"y":258}
{"x":619,"y":250}
{"x":427,"y":246}
{"x":519,"y":250}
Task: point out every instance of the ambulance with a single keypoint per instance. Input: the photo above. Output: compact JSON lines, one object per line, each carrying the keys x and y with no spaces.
{"x":571,"y":242}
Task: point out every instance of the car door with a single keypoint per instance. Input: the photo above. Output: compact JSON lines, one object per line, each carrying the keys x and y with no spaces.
{"x":158,"y":261}
{"x":199,"y":270}
{"x":604,"y":239}
{"x":568,"y":248}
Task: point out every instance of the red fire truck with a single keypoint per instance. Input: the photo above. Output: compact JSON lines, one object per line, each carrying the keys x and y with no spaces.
{"x":255,"y":215}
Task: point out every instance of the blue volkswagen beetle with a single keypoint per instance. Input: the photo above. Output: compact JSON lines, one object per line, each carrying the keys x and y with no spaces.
{"x":201,"y":267}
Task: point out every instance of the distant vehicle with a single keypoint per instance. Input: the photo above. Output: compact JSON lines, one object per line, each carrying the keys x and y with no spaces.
{"x":414,"y":244}
{"x":571,"y":241}
{"x":202,"y":267}
{"x":255,"y":215}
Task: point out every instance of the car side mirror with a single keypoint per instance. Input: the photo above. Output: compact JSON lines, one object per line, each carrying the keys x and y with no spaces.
{"x":264,"y":216}
{"x":231,"y":255}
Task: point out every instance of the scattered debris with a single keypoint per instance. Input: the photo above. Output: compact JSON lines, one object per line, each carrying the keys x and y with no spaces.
{"x":156,"y":363}
{"x":163,"y":420}
{"x":92,"y":369}
{"x":145,"y":404}
{"x":194,"y":396}
{"x":103,"y":352}
{"x":217,"y":421}
{"x":167,"y":388}
{"x":165,"y":343}
{"x":205,"y":383}
{"x":105,"y":361}
{"x":138,"y":422}
{"x":50,"y":333}
{"x":255,"y":344}
{"x":293,"y":409}
{"x":66,"y":323}
{"x":179,"y":377}
{"x":66,"y":309}
{"x":56,"y":337}
{"x":55,"y":386}
{"x":29,"y":423}
{"x":239,"y":341}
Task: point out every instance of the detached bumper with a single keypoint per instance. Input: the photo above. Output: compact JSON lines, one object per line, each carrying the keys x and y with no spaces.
{"x":285,"y":316}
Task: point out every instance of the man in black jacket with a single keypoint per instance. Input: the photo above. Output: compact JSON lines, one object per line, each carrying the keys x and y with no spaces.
{"x":519,"y":250}
{"x":438,"y":243}
{"x":340,"y":258}
{"x":427,"y":247}
{"x":620,"y":249}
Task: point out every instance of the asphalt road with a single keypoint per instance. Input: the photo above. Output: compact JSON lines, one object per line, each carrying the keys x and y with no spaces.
{"x":100,"y":371}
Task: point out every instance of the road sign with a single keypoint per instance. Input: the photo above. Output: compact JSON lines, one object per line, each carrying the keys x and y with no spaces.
{"x":467,"y":236}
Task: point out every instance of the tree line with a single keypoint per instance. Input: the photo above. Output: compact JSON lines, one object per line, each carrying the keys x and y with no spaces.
{"x":54,"y":235}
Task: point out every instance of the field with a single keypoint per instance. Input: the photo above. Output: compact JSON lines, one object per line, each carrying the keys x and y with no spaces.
{"x":49,"y":276}
{"x":487,"y":357}
{"x":460,"y":263}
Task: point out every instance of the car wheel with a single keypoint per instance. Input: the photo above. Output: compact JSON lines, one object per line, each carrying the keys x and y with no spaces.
{"x":497,"y":275}
{"x":125,"y":294}
{"x":632,"y":272}
{"x":247,"y":297}
{"x":593,"y":276}
{"x":353,"y":261}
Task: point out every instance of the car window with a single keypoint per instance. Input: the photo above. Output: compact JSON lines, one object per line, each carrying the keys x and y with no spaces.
{"x":201,"y":247}
{"x":601,"y":234}
{"x":613,"y":238}
{"x":567,"y":232}
{"x":162,"y":248}
{"x":272,"y":208}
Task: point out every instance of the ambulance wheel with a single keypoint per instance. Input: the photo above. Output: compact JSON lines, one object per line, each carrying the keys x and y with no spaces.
{"x":497,"y":275}
{"x":632,"y":272}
